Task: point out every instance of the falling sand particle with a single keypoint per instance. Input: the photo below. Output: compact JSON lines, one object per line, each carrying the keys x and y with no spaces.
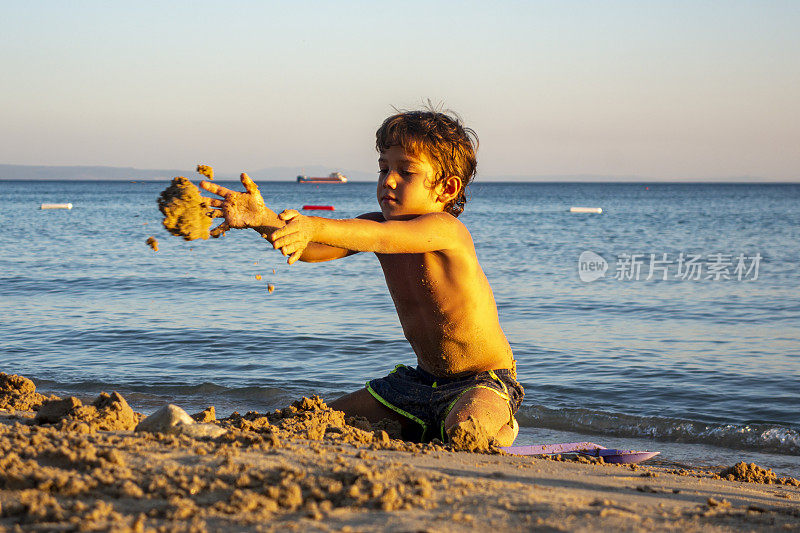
{"x":270,"y":288}
{"x":152,"y":243}
{"x":258,"y":276}
{"x":206,"y":171}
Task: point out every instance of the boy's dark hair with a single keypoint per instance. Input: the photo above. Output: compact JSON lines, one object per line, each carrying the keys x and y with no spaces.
{"x":442,"y":139}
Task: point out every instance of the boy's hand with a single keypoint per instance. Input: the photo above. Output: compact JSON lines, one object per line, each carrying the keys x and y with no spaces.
{"x":293,"y":238}
{"x":239,"y":209}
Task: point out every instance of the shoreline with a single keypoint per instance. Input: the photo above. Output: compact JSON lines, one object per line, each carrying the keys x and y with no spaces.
{"x":69,"y":466}
{"x":689,"y":454}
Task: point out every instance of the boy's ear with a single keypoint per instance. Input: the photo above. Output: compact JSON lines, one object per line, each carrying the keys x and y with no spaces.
{"x":450,"y":189}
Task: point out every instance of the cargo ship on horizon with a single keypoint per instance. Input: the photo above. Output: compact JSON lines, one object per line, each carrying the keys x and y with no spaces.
{"x":334,"y":177}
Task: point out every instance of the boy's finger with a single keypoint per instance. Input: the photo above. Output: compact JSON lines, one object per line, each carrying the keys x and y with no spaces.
{"x":220,"y":230}
{"x":214,"y":202}
{"x":277,"y":236}
{"x":216,"y":213}
{"x":295,"y":256}
{"x":249,"y":185}
{"x":283,"y":242}
{"x":213,"y":188}
{"x":288,"y":214}
{"x":283,"y":232}
{"x":291,"y":248}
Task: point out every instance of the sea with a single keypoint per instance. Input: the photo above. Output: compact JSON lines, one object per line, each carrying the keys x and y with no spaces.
{"x":669,"y":322}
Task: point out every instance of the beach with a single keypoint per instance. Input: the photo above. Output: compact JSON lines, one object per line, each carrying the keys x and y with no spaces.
{"x":306,"y":468}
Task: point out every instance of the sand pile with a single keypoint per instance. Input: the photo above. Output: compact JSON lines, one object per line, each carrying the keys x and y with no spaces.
{"x":752,"y":473}
{"x":109,"y":412}
{"x":70,"y":473}
{"x":312,"y":419}
{"x":63,"y":476}
{"x":209,"y":414}
{"x":185,"y":210}
{"x":18,"y":393}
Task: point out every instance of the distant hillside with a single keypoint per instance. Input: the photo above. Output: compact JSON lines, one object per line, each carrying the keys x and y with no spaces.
{"x":36,"y":172}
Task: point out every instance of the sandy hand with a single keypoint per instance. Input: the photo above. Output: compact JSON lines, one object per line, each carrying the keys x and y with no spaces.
{"x":239,"y":209}
{"x":293,"y":238}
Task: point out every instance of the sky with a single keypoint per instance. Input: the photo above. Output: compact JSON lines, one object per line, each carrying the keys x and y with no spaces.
{"x":667,"y":90}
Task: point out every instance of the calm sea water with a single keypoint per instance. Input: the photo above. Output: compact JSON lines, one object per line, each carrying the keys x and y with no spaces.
{"x":705,"y":370}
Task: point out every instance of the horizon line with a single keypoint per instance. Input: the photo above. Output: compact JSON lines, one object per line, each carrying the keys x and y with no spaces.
{"x":545,"y":180}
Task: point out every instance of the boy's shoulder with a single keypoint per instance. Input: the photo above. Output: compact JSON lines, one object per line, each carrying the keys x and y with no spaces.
{"x":451,"y":233}
{"x":438,"y":218}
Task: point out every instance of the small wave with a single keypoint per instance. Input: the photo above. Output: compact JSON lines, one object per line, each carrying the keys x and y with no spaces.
{"x":769,"y":438}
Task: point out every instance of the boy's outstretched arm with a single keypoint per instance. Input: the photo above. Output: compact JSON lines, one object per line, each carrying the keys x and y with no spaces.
{"x":248,"y":210}
{"x":424,"y":233}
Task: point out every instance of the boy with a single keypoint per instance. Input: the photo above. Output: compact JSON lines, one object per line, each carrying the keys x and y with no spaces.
{"x":443,"y":299}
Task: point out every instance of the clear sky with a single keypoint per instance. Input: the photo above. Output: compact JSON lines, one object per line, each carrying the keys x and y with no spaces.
{"x":666,"y":90}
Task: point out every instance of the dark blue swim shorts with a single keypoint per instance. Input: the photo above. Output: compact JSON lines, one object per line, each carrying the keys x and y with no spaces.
{"x":427,"y":399}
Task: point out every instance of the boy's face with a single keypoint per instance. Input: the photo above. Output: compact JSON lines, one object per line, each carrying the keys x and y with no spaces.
{"x":405,"y":185}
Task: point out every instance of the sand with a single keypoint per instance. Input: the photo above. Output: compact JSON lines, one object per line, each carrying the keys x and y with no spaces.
{"x":206,"y":171}
{"x":152,"y":242}
{"x":185,"y":210}
{"x":307,"y":468}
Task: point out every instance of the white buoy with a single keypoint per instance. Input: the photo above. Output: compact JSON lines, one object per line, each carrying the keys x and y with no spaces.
{"x":597,"y":210}
{"x":56,"y":206}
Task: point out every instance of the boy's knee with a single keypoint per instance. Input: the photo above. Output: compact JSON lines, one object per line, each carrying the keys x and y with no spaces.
{"x":485,"y":405}
{"x":508,"y":433}
{"x":481,"y":411}
{"x":473,"y":435}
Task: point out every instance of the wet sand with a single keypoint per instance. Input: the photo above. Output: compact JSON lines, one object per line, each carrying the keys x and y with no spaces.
{"x":306,"y":468}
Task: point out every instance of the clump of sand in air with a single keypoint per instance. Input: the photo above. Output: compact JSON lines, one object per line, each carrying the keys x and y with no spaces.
{"x":152,"y":242}
{"x":206,"y":171}
{"x":186,"y":212}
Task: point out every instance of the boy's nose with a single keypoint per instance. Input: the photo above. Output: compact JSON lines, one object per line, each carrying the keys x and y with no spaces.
{"x":390,"y":180}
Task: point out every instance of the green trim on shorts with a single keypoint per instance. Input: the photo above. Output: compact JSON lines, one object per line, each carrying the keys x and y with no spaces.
{"x":397,"y":409}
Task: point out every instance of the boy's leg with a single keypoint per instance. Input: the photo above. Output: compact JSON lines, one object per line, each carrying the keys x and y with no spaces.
{"x":362,"y":403}
{"x":490,"y":410}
